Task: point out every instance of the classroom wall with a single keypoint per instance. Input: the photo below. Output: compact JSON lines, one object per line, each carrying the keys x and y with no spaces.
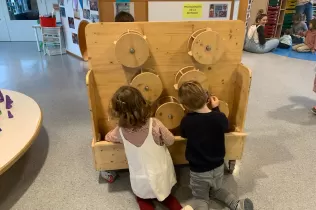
{"x":69,"y":6}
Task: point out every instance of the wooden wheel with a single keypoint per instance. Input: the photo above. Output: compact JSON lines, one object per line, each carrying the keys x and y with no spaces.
{"x":149,"y":84}
{"x":206,"y":46}
{"x":131,"y":49}
{"x":190,"y":73}
{"x":169,"y":112}
{"x":223,"y":107}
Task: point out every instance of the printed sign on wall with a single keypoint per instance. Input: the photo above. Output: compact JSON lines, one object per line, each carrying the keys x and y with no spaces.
{"x":191,"y":10}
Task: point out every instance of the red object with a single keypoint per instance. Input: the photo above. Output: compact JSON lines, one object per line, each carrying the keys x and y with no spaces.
{"x":170,"y":202}
{"x":48,"y":22}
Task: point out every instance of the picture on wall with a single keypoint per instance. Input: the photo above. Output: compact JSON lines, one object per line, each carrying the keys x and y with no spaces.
{"x":74,"y":38}
{"x":71,"y":22}
{"x":77,"y":14}
{"x":94,"y":5}
{"x":62,"y":11}
{"x":61,"y":2}
{"x":94,"y":18}
{"x":218,"y":11}
{"x":86,"y":14}
{"x":126,"y":7}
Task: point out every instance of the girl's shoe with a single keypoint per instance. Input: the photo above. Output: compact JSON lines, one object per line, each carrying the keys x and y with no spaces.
{"x":314,"y":110}
{"x":245,"y":204}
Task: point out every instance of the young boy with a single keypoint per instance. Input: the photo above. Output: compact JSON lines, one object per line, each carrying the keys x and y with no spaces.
{"x":205,"y":130}
{"x":124,"y":17}
{"x":286,"y":40}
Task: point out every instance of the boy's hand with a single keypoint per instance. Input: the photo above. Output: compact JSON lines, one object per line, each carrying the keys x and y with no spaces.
{"x":214,"y":101}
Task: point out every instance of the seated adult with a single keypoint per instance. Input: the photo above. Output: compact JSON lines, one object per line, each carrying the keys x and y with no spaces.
{"x":255,"y":41}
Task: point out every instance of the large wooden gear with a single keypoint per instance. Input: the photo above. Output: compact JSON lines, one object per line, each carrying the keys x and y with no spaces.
{"x":131,"y":49}
{"x":170,"y":112}
{"x":190,"y":73}
{"x":149,"y":84}
{"x":206,"y":46}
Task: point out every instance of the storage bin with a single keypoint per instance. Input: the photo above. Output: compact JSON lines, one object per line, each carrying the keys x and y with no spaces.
{"x":47,"y":22}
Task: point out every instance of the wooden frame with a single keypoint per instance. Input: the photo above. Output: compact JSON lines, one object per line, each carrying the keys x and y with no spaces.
{"x":229,"y":79}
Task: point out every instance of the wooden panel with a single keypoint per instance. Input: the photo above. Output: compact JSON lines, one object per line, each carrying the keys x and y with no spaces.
{"x":243,"y":8}
{"x":141,"y":11}
{"x":106,"y":11}
{"x":111,"y":156}
{"x":242,"y":88}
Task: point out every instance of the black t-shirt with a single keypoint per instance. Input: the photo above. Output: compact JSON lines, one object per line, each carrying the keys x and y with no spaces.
{"x":205,"y":134}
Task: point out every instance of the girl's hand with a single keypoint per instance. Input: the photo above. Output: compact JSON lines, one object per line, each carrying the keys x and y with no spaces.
{"x":214,"y":101}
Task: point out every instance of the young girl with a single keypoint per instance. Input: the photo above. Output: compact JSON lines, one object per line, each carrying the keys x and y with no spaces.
{"x":255,"y":40}
{"x":145,"y":139}
{"x":298,"y":29}
{"x":310,"y":40}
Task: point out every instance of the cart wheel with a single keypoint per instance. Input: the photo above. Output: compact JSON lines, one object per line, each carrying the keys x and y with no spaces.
{"x":231,"y":166}
{"x":109,"y":176}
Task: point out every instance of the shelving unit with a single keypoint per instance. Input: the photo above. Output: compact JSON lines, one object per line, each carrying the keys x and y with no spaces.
{"x":53,"y":41}
{"x":276,"y":10}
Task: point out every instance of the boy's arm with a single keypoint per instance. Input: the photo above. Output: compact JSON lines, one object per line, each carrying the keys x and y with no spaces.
{"x":223,"y":122}
{"x":114,"y":136}
{"x":165,"y":135}
{"x":182,"y":130}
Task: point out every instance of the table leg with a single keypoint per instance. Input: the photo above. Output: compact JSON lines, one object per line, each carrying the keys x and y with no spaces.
{"x":37,"y":42}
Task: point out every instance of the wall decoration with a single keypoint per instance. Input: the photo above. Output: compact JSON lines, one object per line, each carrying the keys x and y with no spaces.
{"x":126,"y":7}
{"x":77,"y":14}
{"x":61,"y":2}
{"x":74,"y":38}
{"x":218,"y":10}
{"x":62,"y":11}
{"x":192,"y":10}
{"x":71,"y":22}
{"x":86,"y":14}
{"x":94,"y":5}
{"x":94,"y":18}
{"x":81,"y":3}
{"x":75,"y":4}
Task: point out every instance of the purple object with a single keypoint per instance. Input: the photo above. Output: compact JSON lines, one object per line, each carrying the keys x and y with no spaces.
{"x":0,"y":129}
{"x":10,"y":115}
{"x":8,"y":105}
{"x":1,"y":97}
{"x":8,"y":99}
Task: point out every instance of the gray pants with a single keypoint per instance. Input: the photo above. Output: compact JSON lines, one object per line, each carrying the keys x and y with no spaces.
{"x":252,"y":46}
{"x":207,"y":185}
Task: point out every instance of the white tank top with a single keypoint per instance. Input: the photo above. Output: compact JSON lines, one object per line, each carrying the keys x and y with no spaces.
{"x":151,"y":168}
{"x":253,"y":33}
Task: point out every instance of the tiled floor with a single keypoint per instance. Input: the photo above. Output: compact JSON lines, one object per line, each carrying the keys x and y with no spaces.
{"x":277,"y":171}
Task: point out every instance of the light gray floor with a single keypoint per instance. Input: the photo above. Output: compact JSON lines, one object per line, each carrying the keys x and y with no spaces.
{"x":277,"y":170}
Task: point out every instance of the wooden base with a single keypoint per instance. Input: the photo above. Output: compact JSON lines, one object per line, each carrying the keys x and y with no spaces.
{"x":111,"y":156}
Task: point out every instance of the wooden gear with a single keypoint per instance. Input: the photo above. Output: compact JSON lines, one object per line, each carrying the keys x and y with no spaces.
{"x":190,"y":73}
{"x":170,"y":112}
{"x":149,"y":84}
{"x":206,"y":46}
{"x":131,"y":49}
{"x":228,"y":79}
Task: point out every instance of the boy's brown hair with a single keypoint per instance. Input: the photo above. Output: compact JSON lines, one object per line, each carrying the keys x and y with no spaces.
{"x":313,"y":22}
{"x":130,"y":107}
{"x":124,"y":17}
{"x":192,"y":95}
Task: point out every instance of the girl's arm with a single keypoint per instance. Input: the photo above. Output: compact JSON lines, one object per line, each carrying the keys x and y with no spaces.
{"x":261,"y":37}
{"x":114,"y":136}
{"x":166,"y":136}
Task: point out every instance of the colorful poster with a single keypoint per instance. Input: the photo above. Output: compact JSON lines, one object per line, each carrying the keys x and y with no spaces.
{"x":75,"y":4}
{"x":86,"y":14}
{"x":62,"y":11}
{"x":77,"y":14}
{"x":94,"y":18}
{"x":61,"y":2}
{"x":218,"y":11}
{"x":191,"y":10}
{"x":81,"y":3}
{"x":125,"y":7}
{"x":71,"y":22}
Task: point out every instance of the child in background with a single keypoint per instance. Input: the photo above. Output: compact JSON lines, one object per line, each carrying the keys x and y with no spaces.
{"x":314,"y":89}
{"x":286,"y":40}
{"x":310,"y":39}
{"x":204,"y":130}
{"x":145,"y":139}
{"x":298,"y":29}
{"x":124,"y":17}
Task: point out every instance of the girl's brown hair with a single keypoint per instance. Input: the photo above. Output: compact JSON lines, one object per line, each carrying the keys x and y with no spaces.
{"x":130,"y":107}
{"x":260,"y":15}
{"x":192,"y":95}
{"x":313,"y":22}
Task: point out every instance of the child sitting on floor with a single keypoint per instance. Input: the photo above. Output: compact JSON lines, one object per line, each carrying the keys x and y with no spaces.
{"x":298,"y":29}
{"x":204,"y":130}
{"x":145,"y":139}
{"x":285,"y":40}
{"x":310,"y":40}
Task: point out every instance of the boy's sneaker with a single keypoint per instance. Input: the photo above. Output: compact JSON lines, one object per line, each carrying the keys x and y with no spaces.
{"x":245,"y":204}
{"x":314,"y":110}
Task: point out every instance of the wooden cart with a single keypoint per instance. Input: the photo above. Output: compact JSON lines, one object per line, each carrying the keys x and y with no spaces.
{"x":154,"y":52}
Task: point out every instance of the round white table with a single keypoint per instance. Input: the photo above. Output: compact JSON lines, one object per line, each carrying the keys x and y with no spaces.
{"x":19,"y":132}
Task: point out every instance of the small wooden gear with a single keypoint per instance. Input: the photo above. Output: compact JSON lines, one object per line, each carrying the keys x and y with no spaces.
{"x":190,"y":73}
{"x":206,"y":46}
{"x":170,"y":112}
{"x":131,"y":49}
{"x":149,"y":84}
